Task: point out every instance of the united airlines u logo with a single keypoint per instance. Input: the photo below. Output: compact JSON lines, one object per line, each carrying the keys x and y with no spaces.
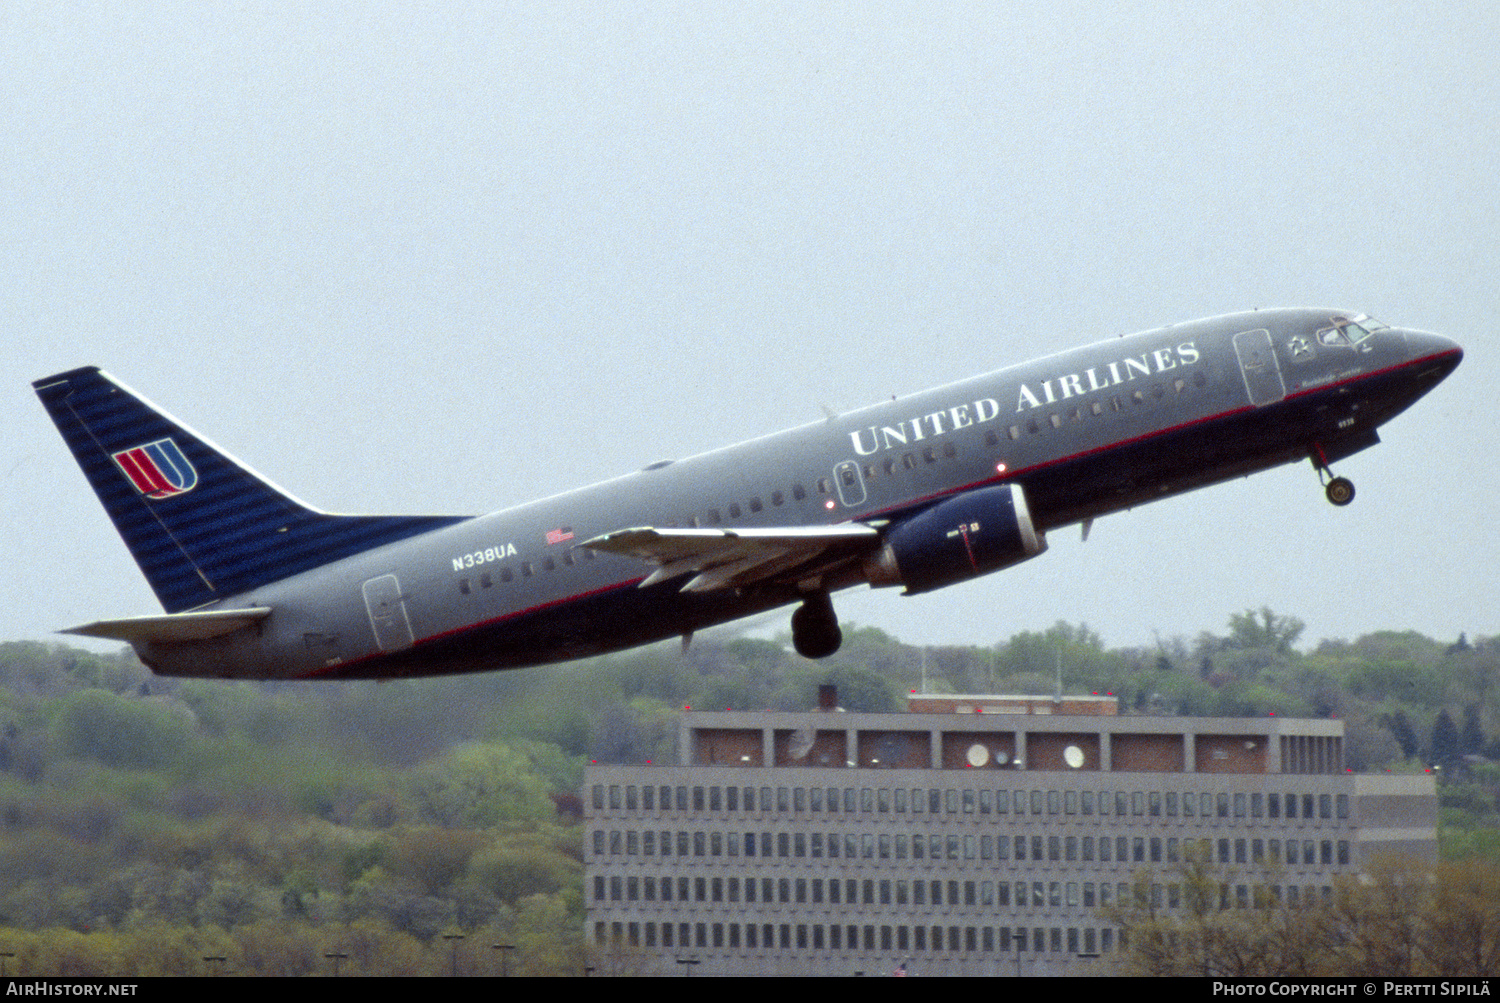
{"x":157,"y":469}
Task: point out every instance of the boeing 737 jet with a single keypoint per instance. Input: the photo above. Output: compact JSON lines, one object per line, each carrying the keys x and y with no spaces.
{"x":919,"y":492}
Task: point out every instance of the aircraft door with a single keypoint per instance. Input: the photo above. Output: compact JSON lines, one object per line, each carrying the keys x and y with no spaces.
{"x":1259,"y":367}
{"x":387,"y":608}
{"x":850,"y":482}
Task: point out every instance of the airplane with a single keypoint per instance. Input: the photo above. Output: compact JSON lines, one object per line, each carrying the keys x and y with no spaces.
{"x":921,"y":492}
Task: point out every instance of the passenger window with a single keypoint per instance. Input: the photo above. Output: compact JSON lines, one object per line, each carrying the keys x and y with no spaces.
{"x":548,"y":564}
{"x":776,"y":498}
{"x":929,"y":454}
{"x":755,"y":505}
{"x":991,"y":439}
{"x":825,"y":486}
{"x":506,"y":576}
{"x":734,"y":510}
{"x":713,"y":517}
{"x":485,"y":581}
{"x":950,"y":450}
{"x":909,"y":461}
{"x":463,"y":586}
{"x":798,"y":492}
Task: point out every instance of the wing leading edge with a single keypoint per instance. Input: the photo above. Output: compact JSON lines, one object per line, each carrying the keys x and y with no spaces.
{"x":737,"y":558}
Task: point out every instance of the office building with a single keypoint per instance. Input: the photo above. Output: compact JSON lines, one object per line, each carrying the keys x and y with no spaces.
{"x":980,"y":836}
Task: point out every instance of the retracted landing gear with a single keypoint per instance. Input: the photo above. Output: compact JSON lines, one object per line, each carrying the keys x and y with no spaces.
{"x":815,"y":627}
{"x":1340,"y":490}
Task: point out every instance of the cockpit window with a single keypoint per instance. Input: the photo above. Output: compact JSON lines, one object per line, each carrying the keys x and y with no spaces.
{"x":1349,"y":331}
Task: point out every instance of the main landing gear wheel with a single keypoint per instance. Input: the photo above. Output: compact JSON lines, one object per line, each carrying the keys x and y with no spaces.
{"x":1340,"y":491}
{"x":815,"y":628}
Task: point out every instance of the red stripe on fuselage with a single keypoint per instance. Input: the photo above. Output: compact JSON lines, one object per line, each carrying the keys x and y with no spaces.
{"x":1010,"y":475}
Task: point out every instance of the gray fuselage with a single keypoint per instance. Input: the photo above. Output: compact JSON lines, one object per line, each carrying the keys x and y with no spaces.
{"x":1084,"y":432}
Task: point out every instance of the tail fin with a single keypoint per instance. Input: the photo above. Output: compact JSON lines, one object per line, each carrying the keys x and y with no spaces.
{"x":201,"y":525}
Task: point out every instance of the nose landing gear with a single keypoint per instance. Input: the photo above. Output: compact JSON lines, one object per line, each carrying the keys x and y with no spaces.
{"x":1339,"y":490}
{"x":815,"y":627}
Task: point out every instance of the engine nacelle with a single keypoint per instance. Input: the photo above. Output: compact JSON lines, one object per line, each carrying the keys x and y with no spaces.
{"x":962,"y":538}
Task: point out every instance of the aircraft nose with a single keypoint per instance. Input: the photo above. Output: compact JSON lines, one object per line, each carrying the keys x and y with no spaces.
{"x":1426,"y":345}
{"x":1440,"y":354}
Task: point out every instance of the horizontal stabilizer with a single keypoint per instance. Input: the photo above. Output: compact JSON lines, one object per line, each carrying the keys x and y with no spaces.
{"x":173,"y":628}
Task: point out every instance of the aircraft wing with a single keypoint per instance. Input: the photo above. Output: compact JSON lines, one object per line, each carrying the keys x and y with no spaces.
{"x":173,"y":627}
{"x":734,"y":558}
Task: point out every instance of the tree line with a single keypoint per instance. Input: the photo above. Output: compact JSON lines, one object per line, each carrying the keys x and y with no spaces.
{"x":237,"y":819}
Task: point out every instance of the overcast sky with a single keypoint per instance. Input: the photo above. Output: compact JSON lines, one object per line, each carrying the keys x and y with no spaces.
{"x":450,"y":258}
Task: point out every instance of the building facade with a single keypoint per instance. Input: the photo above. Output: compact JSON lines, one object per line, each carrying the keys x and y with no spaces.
{"x":965,"y":842}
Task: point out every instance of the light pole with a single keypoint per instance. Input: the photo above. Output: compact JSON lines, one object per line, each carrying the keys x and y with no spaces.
{"x":453,"y":939}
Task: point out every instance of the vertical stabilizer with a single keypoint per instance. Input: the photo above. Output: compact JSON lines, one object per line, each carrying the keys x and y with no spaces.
{"x":200,"y":524}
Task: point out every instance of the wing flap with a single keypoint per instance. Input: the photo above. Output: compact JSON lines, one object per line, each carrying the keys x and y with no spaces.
{"x":733,"y":558}
{"x":173,"y":628}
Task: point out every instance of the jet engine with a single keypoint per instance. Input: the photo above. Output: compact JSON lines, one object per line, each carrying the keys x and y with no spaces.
{"x":964,"y":537}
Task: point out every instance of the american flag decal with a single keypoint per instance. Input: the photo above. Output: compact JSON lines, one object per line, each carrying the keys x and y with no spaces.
{"x":562,"y":535}
{"x":157,"y":469}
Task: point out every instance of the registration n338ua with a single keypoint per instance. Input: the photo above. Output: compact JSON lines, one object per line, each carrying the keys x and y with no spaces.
{"x":918,"y":492}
